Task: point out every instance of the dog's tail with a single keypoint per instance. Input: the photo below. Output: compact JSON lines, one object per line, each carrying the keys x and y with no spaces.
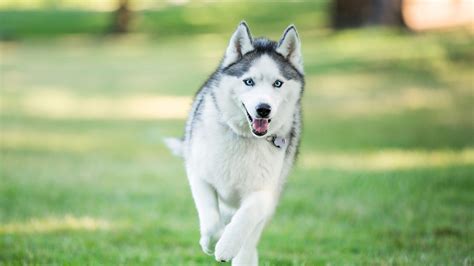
{"x":175,"y":145}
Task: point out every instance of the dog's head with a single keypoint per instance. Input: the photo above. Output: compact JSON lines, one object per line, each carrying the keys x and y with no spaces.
{"x":261,"y":82}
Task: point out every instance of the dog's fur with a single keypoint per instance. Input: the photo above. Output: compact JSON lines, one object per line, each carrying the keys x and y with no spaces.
{"x":236,"y":159}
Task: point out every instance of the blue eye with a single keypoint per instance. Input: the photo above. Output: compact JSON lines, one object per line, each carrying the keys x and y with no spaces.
{"x":249,"y":82}
{"x":277,"y":83}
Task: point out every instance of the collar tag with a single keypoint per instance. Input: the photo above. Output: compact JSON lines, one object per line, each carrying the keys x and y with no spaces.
{"x":278,"y":142}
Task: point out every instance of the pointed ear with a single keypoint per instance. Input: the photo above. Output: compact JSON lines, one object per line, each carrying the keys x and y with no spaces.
{"x":289,"y":47}
{"x":239,"y":45}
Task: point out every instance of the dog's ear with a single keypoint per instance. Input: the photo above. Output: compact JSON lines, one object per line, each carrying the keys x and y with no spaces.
{"x":289,"y":47}
{"x":239,"y":45}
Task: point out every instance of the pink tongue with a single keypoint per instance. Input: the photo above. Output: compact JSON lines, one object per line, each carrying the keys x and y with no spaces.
{"x":260,"y":125}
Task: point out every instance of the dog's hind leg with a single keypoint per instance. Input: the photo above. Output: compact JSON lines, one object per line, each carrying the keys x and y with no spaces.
{"x":255,"y":210}
{"x":205,"y":198}
{"x":226,"y":211}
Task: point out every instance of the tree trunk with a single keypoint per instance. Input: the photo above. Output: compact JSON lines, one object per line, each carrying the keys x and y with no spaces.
{"x":121,"y":18}
{"x":358,"y":13}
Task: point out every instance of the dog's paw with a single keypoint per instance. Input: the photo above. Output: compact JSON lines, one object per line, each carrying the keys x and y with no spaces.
{"x":226,"y":250}
{"x":208,"y":241}
{"x":207,"y":245}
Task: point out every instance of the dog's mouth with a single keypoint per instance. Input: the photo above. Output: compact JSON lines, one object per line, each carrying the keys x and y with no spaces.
{"x":259,"y":125}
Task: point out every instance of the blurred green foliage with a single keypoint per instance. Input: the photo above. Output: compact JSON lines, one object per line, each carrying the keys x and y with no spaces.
{"x":50,"y":23}
{"x":170,"y":20}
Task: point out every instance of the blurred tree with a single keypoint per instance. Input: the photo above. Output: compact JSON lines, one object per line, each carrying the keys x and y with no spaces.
{"x":121,"y":17}
{"x":357,"y":13}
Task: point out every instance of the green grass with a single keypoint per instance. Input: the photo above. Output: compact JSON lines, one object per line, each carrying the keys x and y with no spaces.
{"x":385,"y":174}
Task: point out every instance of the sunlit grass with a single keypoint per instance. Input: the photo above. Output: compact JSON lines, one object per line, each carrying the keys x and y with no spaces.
{"x":62,"y":104}
{"x":388,"y":159}
{"x":49,"y":141}
{"x":51,"y":224}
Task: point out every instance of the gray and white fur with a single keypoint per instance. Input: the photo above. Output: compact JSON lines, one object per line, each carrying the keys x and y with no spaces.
{"x":241,"y":140}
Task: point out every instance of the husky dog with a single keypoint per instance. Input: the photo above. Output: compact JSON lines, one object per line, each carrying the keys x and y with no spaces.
{"x":241,"y":140}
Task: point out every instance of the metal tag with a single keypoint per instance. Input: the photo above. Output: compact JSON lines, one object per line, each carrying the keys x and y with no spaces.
{"x":279,"y":142}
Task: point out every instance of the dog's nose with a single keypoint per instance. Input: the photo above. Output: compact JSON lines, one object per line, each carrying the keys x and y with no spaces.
{"x":263,"y":110}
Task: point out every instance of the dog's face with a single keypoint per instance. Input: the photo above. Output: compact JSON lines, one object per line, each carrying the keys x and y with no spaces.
{"x":261,"y":82}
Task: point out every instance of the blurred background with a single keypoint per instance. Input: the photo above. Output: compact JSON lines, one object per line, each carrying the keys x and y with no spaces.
{"x":88,"y":89}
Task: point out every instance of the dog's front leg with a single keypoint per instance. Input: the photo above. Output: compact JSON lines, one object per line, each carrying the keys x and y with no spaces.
{"x":255,"y":210}
{"x":205,"y":198}
{"x":248,"y":255}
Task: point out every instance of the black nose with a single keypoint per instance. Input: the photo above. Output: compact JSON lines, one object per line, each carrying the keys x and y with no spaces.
{"x":263,"y":110}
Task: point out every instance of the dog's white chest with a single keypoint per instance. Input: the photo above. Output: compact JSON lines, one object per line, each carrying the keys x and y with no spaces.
{"x":236,"y":166}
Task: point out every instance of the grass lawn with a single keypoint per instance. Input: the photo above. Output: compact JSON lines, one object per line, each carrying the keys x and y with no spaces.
{"x":385,"y":174}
